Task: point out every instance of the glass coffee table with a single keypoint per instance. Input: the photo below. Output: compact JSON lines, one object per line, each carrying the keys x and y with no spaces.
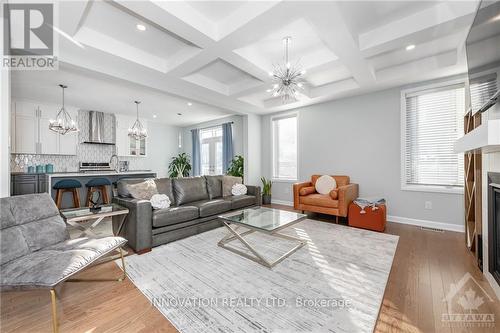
{"x":261,"y":219}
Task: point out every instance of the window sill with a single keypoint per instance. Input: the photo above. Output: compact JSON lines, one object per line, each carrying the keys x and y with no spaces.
{"x":281,"y":180}
{"x":434,"y":189}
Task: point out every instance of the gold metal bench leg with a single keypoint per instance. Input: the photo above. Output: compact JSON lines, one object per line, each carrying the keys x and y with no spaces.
{"x":55,"y":326}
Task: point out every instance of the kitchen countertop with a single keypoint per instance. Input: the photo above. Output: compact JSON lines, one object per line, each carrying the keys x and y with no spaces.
{"x":87,"y":174}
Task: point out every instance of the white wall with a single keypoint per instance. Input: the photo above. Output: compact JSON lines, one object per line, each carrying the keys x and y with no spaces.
{"x":252,"y":149}
{"x":4,"y":126}
{"x":162,"y":145}
{"x":360,"y":137}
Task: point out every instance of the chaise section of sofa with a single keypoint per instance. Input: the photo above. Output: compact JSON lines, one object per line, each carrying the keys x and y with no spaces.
{"x":196,"y":202}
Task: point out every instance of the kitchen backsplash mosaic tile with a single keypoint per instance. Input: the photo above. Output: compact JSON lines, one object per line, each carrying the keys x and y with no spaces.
{"x":84,"y":153}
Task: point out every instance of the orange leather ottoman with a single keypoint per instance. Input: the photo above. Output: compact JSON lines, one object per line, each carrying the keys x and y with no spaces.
{"x":371,"y":219}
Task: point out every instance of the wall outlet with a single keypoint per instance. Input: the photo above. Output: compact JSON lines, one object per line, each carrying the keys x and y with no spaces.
{"x":428,"y":205}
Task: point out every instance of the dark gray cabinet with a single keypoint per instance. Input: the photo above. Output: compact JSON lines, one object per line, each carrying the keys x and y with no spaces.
{"x":28,"y":184}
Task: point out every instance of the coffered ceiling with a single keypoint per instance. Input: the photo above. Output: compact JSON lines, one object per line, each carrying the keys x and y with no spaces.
{"x":220,"y":52}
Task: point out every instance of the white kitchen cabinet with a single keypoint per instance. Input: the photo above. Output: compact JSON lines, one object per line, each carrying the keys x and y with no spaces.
{"x":48,"y":141}
{"x":24,"y":139}
{"x":125,"y":145}
{"x":31,"y":133}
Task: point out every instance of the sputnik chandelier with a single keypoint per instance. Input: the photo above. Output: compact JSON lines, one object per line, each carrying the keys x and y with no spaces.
{"x":287,"y":78}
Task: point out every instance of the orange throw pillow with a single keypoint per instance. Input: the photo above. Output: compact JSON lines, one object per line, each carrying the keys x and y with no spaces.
{"x":334,"y":194}
{"x":307,"y":190}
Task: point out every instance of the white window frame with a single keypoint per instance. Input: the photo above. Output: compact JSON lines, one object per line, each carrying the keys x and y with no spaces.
{"x":273,"y":149}
{"x":422,"y":188}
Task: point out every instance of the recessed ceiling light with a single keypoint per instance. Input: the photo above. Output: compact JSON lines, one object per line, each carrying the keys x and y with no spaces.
{"x":141,"y":27}
{"x":189,"y":103}
{"x":179,"y":114}
{"x":410,"y":47}
{"x":154,"y":116}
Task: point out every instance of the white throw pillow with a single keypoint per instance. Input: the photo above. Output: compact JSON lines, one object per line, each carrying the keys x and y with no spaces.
{"x":160,"y":201}
{"x":238,"y":189}
{"x":325,"y":184}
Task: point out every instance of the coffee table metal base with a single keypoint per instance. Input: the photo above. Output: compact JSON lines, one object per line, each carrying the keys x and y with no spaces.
{"x":257,"y":257}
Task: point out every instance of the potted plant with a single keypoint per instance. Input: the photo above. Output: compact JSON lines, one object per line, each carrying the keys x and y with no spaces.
{"x":266,"y":191}
{"x":180,"y":166}
{"x":236,"y":167}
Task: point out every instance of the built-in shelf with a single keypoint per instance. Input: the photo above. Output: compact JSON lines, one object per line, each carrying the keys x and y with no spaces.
{"x":485,"y":138}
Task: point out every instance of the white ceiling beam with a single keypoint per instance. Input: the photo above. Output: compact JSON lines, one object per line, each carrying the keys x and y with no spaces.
{"x":158,"y":13}
{"x":432,"y":17}
{"x":123,"y":69}
{"x":243,"y":15}
{"x":330,"y":23}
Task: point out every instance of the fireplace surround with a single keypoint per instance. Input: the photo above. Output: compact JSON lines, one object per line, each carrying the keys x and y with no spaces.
{"x":494,"y":225}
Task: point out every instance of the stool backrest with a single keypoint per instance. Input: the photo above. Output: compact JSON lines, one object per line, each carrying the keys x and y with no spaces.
{"x":29,"y":223}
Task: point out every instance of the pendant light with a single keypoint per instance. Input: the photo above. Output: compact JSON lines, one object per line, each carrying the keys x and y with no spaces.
{"x":63,"y":123}
{"x":137,"y":131}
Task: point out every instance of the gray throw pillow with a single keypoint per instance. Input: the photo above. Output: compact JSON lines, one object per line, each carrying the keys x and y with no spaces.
{"x":227,"y":184}
{"x":143,"y":190}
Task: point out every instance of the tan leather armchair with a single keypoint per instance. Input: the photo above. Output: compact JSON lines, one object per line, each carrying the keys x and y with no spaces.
{"x":305,"y":197}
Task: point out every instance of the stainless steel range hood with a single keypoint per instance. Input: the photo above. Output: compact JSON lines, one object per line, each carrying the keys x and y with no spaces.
{"x":101,"y":129}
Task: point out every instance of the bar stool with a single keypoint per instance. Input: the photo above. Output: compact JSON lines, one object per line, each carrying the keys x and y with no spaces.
{"x":98,"y":184}
{"x":67,"y":185}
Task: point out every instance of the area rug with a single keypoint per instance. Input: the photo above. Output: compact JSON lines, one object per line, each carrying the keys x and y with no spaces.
{"x":335,"y":283}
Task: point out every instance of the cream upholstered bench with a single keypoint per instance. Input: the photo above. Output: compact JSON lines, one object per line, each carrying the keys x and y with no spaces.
{"x":36,"y":251}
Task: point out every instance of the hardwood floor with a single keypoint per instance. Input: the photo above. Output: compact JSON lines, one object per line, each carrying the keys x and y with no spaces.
{"x":425,"y":265}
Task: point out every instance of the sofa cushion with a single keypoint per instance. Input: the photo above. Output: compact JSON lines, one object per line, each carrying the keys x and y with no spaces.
{"x":212,"y":207}
{"x":307,"y":190}
{"x":189,"y":190}
{"x":214,"y":184}
{"x":51,"y":265}
{"x":227,"y":184}
{"x":322,"y":200}
{"x":240,"y":201}
{"x":164,"y":186}
{"x":143,"y":190}
{"x":173,"y":215}
{"x":123,"y":184}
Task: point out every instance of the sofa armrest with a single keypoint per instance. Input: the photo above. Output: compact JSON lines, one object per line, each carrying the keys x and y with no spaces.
{"x":296,"y":189}
{"x":255,"y":190}
{"x":138,"y":224}
{"x":347,"y":194}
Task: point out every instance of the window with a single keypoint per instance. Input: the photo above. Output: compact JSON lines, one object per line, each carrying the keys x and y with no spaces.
{"x":211,"y":150}
{"x":432,"y":122}
{"x":285,"y":147}
{"x":481,"y":90}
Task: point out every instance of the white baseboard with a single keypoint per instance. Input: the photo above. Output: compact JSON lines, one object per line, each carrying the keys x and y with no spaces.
{"x":426,"y":223}
{"x":282,"y":202}
{"x":404,"y":220}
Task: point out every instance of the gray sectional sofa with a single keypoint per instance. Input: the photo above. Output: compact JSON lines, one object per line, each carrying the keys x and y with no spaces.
{"x":195,"y":204}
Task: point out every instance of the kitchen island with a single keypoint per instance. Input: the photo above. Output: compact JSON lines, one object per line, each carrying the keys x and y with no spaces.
{"x":84,"y":177}
{"x":25,"y":183}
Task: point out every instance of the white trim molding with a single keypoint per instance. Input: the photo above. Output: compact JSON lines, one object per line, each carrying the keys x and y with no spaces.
{"x":282,"y":202}
{"x":426,"y":223}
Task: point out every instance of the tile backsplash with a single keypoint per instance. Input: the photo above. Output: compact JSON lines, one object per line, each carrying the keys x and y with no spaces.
{"x":84,"y":153}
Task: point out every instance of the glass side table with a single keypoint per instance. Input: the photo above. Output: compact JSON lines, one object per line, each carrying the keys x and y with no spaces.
{"x":74,"y":217}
